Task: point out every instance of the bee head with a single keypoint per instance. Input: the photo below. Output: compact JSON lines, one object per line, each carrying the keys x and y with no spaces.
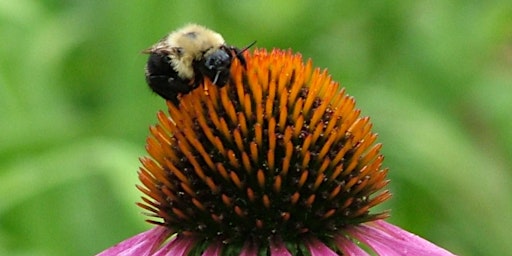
{"x":216,"y":65}
{"x":219,"y":60}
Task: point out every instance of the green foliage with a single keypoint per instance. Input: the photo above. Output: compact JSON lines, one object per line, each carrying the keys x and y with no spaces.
{"x":433,"y":76}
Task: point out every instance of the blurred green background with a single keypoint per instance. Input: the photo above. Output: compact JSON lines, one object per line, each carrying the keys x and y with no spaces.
{"x":435,"y":77}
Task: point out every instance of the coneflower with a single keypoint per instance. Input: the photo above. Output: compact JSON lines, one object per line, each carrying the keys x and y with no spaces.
{"x":277,"y":162}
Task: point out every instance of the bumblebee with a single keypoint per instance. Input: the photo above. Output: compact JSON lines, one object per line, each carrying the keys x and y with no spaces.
{"x":179,"y":62}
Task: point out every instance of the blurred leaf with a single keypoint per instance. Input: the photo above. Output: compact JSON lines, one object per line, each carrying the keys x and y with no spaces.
{"x":433,"y":76}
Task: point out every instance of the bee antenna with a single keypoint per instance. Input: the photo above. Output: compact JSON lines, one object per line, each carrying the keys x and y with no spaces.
{"x":247,"y":47}
{"x":239,"y":53}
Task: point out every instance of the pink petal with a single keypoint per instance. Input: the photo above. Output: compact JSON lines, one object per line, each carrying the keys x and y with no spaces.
{"x":249,"y":249}
{"x":277,"y":248}
{"x":387,"y":239}
{"x":349,"y":247}
{"x":142,"y":244}
{"x":180,"y":245}
{"x":214,"y":249}
{"x":317,"y":248}
{"x":383,"y":248}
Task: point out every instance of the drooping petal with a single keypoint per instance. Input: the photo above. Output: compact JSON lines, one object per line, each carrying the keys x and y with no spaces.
{"x":180,"y":245}
{"x":348,"y":247}
{"x":317,"y":248}
{"x":387,"y":239}
{"x":249,"y":249}
{"x":142,"y":244}
{"x":214,"y":249}
{"x":277,"y":248}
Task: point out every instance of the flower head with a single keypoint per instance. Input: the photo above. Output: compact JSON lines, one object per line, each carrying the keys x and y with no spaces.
{"x":277,"y":162}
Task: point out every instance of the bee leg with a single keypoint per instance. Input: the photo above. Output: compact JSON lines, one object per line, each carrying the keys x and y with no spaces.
{"x":168,"y":87}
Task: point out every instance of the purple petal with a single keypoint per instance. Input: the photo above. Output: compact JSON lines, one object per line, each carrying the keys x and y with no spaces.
{"x":142,"y":244}
{"x":277,"y":248}
{"x":349,"y":247}
{"x":180,"y":245}
{"x":317,"y":248}
{"x":249,"y":249}
{"x":387,"y":239}
{"x":214,"y":249}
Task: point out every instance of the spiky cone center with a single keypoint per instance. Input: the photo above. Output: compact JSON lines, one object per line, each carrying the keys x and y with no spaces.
{"x":280,"y":153}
